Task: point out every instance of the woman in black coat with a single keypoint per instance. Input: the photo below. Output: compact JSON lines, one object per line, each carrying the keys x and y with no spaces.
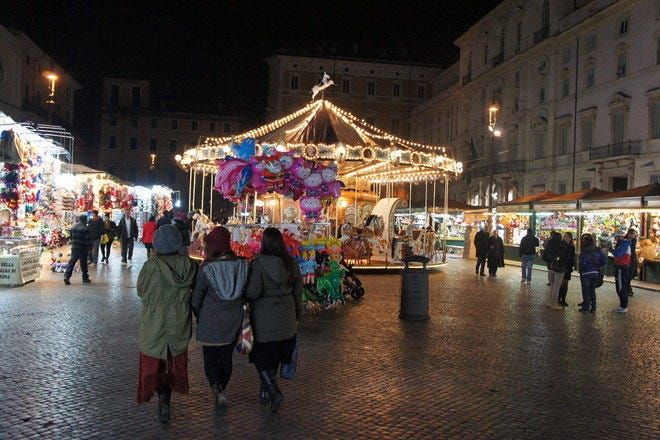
{"x":495,"y":254}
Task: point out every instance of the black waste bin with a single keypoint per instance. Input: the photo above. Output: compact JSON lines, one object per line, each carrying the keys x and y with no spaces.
{"x":414,"y":289}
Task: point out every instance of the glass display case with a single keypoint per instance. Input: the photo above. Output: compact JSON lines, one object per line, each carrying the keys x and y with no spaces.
{"x":19,"y":260}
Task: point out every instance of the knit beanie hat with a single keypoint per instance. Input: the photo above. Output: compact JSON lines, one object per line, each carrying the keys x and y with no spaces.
{"x":218,"y":241}
{"x":167,"y":240}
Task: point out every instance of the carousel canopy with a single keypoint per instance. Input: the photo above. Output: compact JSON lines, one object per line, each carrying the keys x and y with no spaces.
{"x":322,"y":131}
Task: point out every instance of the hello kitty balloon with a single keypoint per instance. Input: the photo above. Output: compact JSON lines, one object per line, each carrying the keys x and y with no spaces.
{"x":301,"y":169}
{"x":313,"y":181}
{"x":328,"y":174}
{"x":311,"y":206}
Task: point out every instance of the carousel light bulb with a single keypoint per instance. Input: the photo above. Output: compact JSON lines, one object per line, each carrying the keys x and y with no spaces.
{"x":178,"y":158}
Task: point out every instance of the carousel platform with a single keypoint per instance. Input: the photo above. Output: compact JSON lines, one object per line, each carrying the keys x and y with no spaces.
{"x":392,"y":266}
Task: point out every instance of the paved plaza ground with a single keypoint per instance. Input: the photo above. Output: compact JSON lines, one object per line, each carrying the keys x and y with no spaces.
{"x":491,"y":362}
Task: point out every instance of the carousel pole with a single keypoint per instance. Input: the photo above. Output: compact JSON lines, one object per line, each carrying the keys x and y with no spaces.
{"x":356,"y":205}
{"x":202,"y":189}
{"x":190,"y":179}
{"x":410,"y":200}
{"x":434,"y":182}
{"x":426,"y":202}
{"x":212,"y":179}
{"x":446,"y":195}
{"x":247,"y":199}
{"x":194,"y":191}
{"x":254,"y":209}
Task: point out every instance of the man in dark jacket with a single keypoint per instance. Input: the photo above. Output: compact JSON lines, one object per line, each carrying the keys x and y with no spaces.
{"x":181,"y":225}
{"x":568,"y":252}
{"x":96,"y":230}
{"x":127,"y":230}
{"x":481,"y":246}
{"x":527,"y":250}
{"x":550,"y":249}
{"x":80,"y":244}
{"x":166,"y":219}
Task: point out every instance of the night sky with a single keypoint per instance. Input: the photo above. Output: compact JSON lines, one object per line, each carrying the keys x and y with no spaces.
{"x":213,"y":52}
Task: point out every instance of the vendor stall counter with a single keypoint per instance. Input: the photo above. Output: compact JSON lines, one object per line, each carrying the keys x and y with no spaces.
{"x":19,"y":260}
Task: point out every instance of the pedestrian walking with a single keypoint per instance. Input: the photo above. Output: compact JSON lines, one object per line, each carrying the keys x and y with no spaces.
{"x":110,"y":232}
{"x":180,"y":222}
{"x":148,"y":231}
{"x":568,"y":249}
{"x":217,"y":303}
{"x":557,"y":268}
{"x":80,"y":246}
{"x":128,"y":235}
{"x":495,"y":253}
{"x":632,"y":236}
{"x":622,"y":258}
{"x":96,"y":230}
{"x":527,"y":251}
{"x":481,"y":247}
{"x":164,"y":286}
{"x":165,"y":219}
{"x":275,"y":293}
{"x":550,"y":248}
{"x":592,"y":260}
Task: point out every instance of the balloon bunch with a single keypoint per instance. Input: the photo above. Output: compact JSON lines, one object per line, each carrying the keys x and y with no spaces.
{"x":9,"y":185}
{"x":273,"y":171}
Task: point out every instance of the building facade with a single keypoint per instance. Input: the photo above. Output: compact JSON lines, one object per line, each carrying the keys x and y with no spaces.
{"x":138,"y":139}
{"x":25,"y":92}
{"x":382,"y":93}
{"x":577,"y":85}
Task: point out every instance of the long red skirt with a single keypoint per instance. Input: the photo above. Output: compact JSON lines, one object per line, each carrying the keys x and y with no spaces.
{"x":154,"y":373}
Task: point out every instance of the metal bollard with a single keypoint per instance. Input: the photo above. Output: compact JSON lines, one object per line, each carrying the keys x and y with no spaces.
{"x":414,"y":289}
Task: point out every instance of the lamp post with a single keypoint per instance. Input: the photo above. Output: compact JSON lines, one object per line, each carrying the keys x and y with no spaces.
{"x":493,"y":133}
{"x":52,"y":78}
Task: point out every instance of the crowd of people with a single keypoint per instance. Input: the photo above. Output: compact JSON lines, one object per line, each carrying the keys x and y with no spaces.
{"x":559,"y":255}
{"x":222,"y":293}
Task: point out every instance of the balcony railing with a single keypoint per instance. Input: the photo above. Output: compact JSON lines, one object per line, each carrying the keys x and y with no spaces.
{"x":515,"y":166}
{"x":467,"y":78}
{"x":497,"y":59}
{"x":627,"y":148}
{"x":541,"y":35}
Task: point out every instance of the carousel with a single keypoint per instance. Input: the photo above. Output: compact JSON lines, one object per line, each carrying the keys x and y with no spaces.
{"x":319,"y":174}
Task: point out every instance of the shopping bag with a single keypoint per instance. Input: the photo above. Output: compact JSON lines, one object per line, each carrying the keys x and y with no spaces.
{"x":105,"y":239}
{"x":245,"y":339}
{"x":288,"y":371}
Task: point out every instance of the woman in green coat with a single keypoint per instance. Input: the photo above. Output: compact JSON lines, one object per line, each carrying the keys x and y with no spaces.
{"x":164,"y":286}
{"x":275,"y":293}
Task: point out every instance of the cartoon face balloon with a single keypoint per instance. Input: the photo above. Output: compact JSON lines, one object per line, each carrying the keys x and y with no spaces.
{"x":301,"y":169}
{"x":328,"y":174}
{"x":310,"y":205}
{"x":286,"y":161}
{"x":313,"y":181}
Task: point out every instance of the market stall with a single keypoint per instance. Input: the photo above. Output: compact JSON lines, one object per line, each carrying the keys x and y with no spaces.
{"x":325,"y":162}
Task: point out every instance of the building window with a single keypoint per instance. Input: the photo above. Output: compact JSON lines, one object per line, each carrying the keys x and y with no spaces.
{"x":294,"y":84}
{"x":174,"y":124}
{"x":131,"y":174}
{"x":657,"y":48}
{"x":485,"y":54}
{"x":226,"y":127}
{"x":561,"y":141}
{"x":566,"y":55}
{"x":542,"y":94}
{"x":136,"y":93}
{"x":153,"y":144}
{"x":623,"y":26}
{"x":371,"y":88}
{"x":173,"y":146}
{"x":421,"y":91}
{"x":154,"y":123}
{"x":539,"y":144}
{"x":618,"y":123}
{"x":212,"y":127}
{"x":194,"y":125}
{"x":590,"y":43}
{"x":114,"y":95}
{"x":621,"y":62}
{"x":585,"y":185}
{"x":346,"y":86}
{"x":586,"y":133}
{"x":516,"y":77}
{"x":396,"y":90}
{"x":655,"y":120}
{"x":133,"y":143}
{"x":561,"y":187}
{"x":395,"y":124}
{"x":502,"y":40}
{"x":565,"y":85}
{"x":519,"y":36}
{"x":113,"y":120}
{"x":112,"y":142}
{"x":590,"y":77}
{"x":545,"y":15}
{"x":134,"y":122}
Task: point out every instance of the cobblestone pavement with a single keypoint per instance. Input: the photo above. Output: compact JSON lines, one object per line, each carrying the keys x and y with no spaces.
{"x":491,"y":362}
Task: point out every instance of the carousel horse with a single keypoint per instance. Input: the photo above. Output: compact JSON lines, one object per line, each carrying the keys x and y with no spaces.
{"x":373,"y":231}
{"x":202,"y":226}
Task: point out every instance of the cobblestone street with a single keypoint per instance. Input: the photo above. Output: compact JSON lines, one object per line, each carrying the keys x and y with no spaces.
{"x":492,"y":362}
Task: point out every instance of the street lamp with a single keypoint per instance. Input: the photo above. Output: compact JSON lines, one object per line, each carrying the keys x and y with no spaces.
{"x":52,"y":80}
{"x":493,"y":133}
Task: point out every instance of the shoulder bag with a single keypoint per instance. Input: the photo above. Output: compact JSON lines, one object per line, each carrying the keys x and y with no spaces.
{"x":245,"y":339}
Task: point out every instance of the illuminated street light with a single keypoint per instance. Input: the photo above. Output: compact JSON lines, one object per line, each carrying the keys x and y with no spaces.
{"x":52,"y":80}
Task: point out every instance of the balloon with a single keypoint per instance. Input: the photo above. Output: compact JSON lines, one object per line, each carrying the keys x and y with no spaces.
{"x":328,"y":174}
{"x":311,"y":206}
{"x":301,"y":169}
{"x":245,"y":149}
{"x":287,"y":161}
{"x":314,"y":180}
{"x":333,"y":189}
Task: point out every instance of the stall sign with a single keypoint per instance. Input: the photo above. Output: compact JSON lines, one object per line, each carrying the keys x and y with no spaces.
{"x":552,"y":207}
{"x":635,"y":202}
{"x":513,"y":208}
{"x":16,"y":270}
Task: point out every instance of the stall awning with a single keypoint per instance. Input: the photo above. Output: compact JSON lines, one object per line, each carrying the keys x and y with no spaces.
{"x":568,"y":202}
{"x":639,"y":197}
{"x":79,"y":170}
{"x":522,"y":204}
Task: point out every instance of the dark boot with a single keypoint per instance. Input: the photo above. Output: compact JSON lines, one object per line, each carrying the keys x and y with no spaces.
{"x":264,"y":397}
{"x":276,"y":397}
{"x":164,"y":397}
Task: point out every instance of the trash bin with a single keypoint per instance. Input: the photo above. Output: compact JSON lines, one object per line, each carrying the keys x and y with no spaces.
{"x":414,"y":289}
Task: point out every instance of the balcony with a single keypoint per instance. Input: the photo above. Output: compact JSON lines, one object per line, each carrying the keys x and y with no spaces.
{"x":497,"y":59}
{"x":515,"y":166}
{"x":541,"y":35}
{"x":467,"y":78}
{"x":627,"y":148}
